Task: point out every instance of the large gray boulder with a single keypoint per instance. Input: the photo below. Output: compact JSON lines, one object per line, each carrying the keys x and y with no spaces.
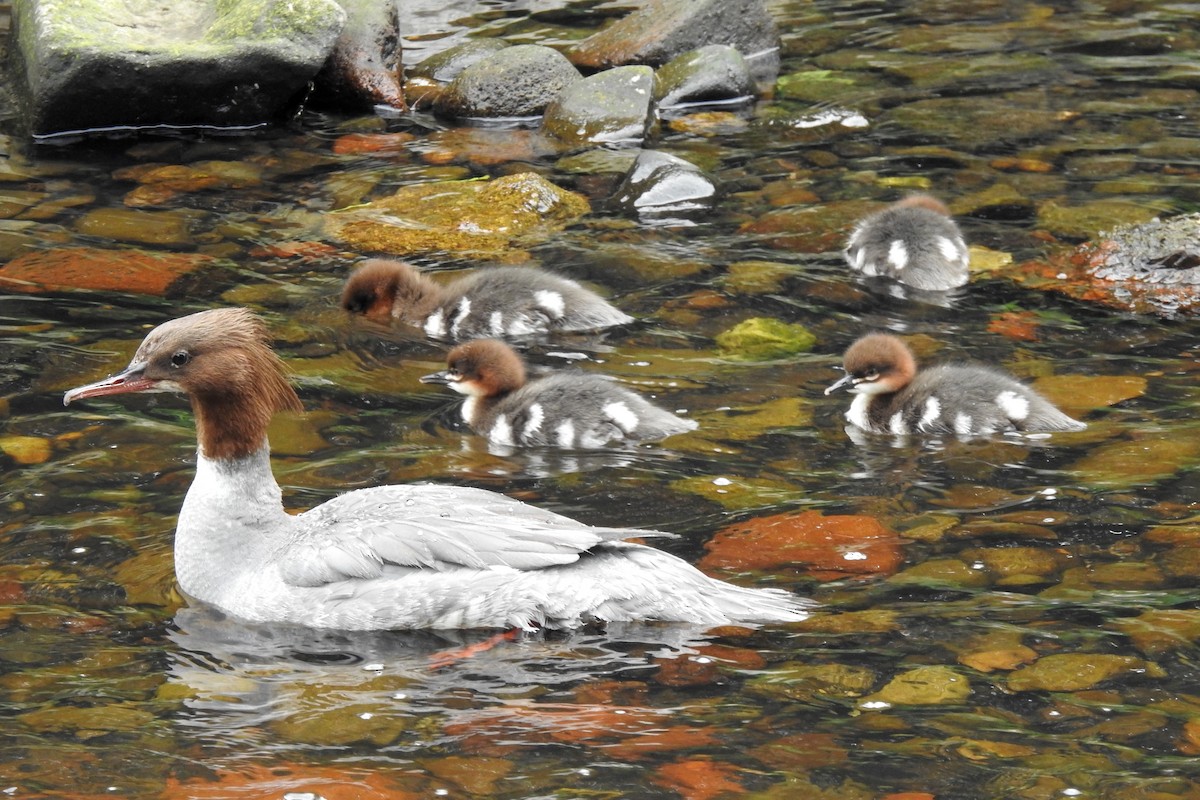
{"x":96,"y":64}
{"x":663,"y":29}
{"x":514,"y":82}
{"x":364,"y":69}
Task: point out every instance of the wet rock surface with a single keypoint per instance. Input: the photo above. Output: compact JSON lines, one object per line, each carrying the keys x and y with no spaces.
{"x":614,"y":106}
{"x":513,"y":82}
{"x":198,"y":62}
{"x":426,"y":80}
{"x":660,"y":184}
{"x":1150,"y":267}
{"x":364,"y":68}
{"x":663,"y":29}
{"x":710,"y":74}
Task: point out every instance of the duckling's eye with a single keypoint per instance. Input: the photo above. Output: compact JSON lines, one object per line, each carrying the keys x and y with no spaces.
{"x":180,"y":358}
{"x":871,"y":375}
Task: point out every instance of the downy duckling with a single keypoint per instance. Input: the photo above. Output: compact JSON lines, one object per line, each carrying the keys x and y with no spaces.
{"x":564,"y":409}
{"x":965,"y":399}
{"x":914,"y":241}
{"x":495,"y":301}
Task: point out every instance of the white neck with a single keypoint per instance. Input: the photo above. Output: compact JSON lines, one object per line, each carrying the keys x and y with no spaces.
{"x":232,"y":516}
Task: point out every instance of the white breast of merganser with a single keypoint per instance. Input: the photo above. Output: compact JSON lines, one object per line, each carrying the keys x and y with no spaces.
{"x":567,"y":409}
{"x":964,"y":399}
{"x":913,"y":241}
{"x":412,"y":556}
{"x":509,"y":302}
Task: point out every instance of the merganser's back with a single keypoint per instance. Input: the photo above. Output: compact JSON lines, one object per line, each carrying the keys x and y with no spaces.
{"x":496,"y":301}
{"x":565,"y":409}
{"x":413,"y":556}
{"x":964,"y":399}
{"x":914,"y":241}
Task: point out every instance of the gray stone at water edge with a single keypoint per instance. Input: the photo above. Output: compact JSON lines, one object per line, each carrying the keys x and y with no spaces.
{"x":614,"y":106}
{"x":99,"y":64}
{"x":663,"y":29}
{"x":448,"y":64}
{"x":515,"y":82}
{"x":713,"y":73}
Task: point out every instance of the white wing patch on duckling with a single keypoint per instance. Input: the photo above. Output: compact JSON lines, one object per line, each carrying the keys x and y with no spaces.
{"x":501,"y":432}
{"x":896,"y":424}
{"x":933,"y":410}
{"x":534,"y":423}
{"x":951,"y":250}
{"x":434,"y":323}
{"x":522,"y":325}
{"x":565,"y":433}
{"x":962,"y":424}
{"x":464,"y":310}
{"x":621,"y":414}
{"x":1014,"y":406}
{"x":898,"y":255}
{"x":496,"y":323}
{"x":552,"y":302}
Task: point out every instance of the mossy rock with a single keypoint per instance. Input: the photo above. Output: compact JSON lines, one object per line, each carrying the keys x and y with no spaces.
{"x":765,"y":339}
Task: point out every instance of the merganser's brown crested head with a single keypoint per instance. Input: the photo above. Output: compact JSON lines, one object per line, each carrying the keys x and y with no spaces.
{"x":381,"y":289}
{"x":223,"y":361}
{"x":481,"y":368}
{"x":878,"y":363}
{"x":924,"y":201}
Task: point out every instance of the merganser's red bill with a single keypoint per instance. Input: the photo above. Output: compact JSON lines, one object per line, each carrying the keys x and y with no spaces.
{"x":131,"y":379}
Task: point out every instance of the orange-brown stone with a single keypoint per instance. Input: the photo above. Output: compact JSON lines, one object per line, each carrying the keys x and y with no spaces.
{"x":826,"y":547}
{"x":134,"y":271}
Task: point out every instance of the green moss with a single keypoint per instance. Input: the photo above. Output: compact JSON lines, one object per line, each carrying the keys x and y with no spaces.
{"x":271,"y":19}
{"x":763,"y":339}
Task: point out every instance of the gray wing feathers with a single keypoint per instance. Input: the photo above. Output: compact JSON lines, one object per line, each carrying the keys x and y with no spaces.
{"x":362,"y":533}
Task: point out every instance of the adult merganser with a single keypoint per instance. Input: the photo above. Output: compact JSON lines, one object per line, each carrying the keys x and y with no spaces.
{"x":496,"y":301}
{"x":414,"y":556}
{"x":913,"y":241}
{"x":564,"y":409}
{"x":964,"y":399}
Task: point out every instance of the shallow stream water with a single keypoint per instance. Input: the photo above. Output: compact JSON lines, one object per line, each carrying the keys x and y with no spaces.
{"x":1007,"y":617}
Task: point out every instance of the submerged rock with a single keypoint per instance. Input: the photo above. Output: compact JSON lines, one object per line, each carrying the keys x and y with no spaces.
{"x":460,"y":216}
{"x":660,"y":183}
{"x":764,"y":338}
{"x":517,"y":81}
{"x":613,"y":106}
{"x":146,"y":63}
{"x":127,"y":271}
{"x":663,"y":29}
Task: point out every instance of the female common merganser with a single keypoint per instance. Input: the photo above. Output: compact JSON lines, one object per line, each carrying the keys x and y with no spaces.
{"x":914,"y":242}
{"x":417,"y":556}
{"x":497,"y":301}
{"x":964,"y":399}
{"x":565,"y":409}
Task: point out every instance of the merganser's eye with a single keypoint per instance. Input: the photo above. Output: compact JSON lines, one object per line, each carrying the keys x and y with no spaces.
{"x":873,"y":375}
{"x":180,"y":357}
